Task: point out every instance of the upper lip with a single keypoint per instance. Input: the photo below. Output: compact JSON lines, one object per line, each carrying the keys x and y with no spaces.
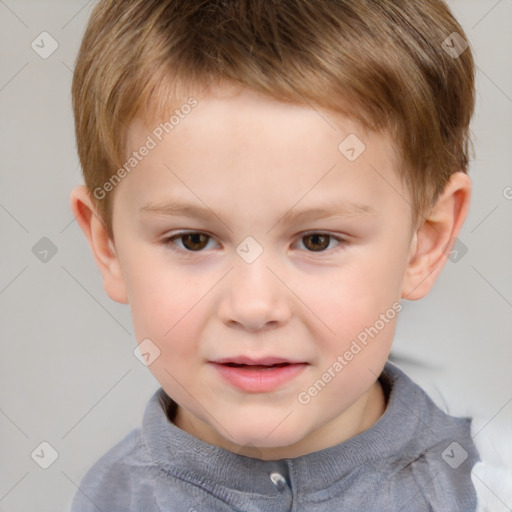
{"x":263,"y":361}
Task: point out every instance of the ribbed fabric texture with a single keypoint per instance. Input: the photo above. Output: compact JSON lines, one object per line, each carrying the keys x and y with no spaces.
{"x":415,"y":458}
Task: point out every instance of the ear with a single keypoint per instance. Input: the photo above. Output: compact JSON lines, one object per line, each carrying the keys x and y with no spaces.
{"x":434,"y":239}
{"x":102,"y":245}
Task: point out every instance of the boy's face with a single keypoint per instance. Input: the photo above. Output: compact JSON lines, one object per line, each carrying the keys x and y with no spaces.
{"x":261,"y":278}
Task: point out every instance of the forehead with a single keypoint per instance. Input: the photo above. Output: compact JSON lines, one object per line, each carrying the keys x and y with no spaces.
{"x":237,"y":144}
{"x":235,"y":107}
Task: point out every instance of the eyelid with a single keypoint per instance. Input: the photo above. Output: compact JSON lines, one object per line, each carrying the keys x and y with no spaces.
{"x":320,"y":232}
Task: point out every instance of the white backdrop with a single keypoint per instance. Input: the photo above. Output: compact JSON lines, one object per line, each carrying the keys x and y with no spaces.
{"x":68,"y":376}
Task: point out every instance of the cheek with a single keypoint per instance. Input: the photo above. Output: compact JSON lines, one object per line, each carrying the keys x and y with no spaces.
{"x":165,"y":305}
{"x":359,"y":289}
{"x":359,"y":302}
{"x":168,"y":313}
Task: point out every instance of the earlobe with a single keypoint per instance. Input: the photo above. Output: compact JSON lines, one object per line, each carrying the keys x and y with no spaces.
{"x":432,"y":242}
{"x":101,"y":244}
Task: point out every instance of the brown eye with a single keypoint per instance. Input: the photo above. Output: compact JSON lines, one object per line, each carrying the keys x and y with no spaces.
{"x":187,"y":243}
{"x":316,"y":242}
{"x":194,"y":241}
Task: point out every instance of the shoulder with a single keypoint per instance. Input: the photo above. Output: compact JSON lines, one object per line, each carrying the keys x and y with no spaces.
{"x":143,"y":471}
{"x":109,"y":484}
{"x":438,"y":453}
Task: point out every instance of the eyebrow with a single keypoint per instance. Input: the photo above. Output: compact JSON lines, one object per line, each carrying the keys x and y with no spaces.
{"x":345,"y":209}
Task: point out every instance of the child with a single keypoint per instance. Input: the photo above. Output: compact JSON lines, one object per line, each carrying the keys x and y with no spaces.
{"x":265,"y":181}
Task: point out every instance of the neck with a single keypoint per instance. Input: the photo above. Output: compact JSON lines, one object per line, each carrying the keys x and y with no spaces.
{"x":361,"y":416}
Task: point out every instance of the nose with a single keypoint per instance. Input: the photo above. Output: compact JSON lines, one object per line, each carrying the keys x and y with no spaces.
{"x":254,"y":298}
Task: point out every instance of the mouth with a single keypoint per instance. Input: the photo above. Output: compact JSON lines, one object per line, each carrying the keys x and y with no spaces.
{"x":257,"y":366}
{"x":269,"y":361}
{"x":258,"y":375}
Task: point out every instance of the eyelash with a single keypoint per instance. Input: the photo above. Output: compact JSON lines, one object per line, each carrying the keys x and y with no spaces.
{"x":169,"y":242}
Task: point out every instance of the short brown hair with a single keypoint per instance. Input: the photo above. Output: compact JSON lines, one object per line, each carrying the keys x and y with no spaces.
{"x":384,"y":63}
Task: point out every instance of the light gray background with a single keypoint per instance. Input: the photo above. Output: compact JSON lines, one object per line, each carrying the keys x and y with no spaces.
{"x":68,"y":373}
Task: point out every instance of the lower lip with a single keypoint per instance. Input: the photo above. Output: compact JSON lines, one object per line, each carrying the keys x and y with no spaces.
{"x":259,"y":380}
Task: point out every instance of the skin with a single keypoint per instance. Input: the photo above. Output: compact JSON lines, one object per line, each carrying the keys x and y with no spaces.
{"x":251,"y":159}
